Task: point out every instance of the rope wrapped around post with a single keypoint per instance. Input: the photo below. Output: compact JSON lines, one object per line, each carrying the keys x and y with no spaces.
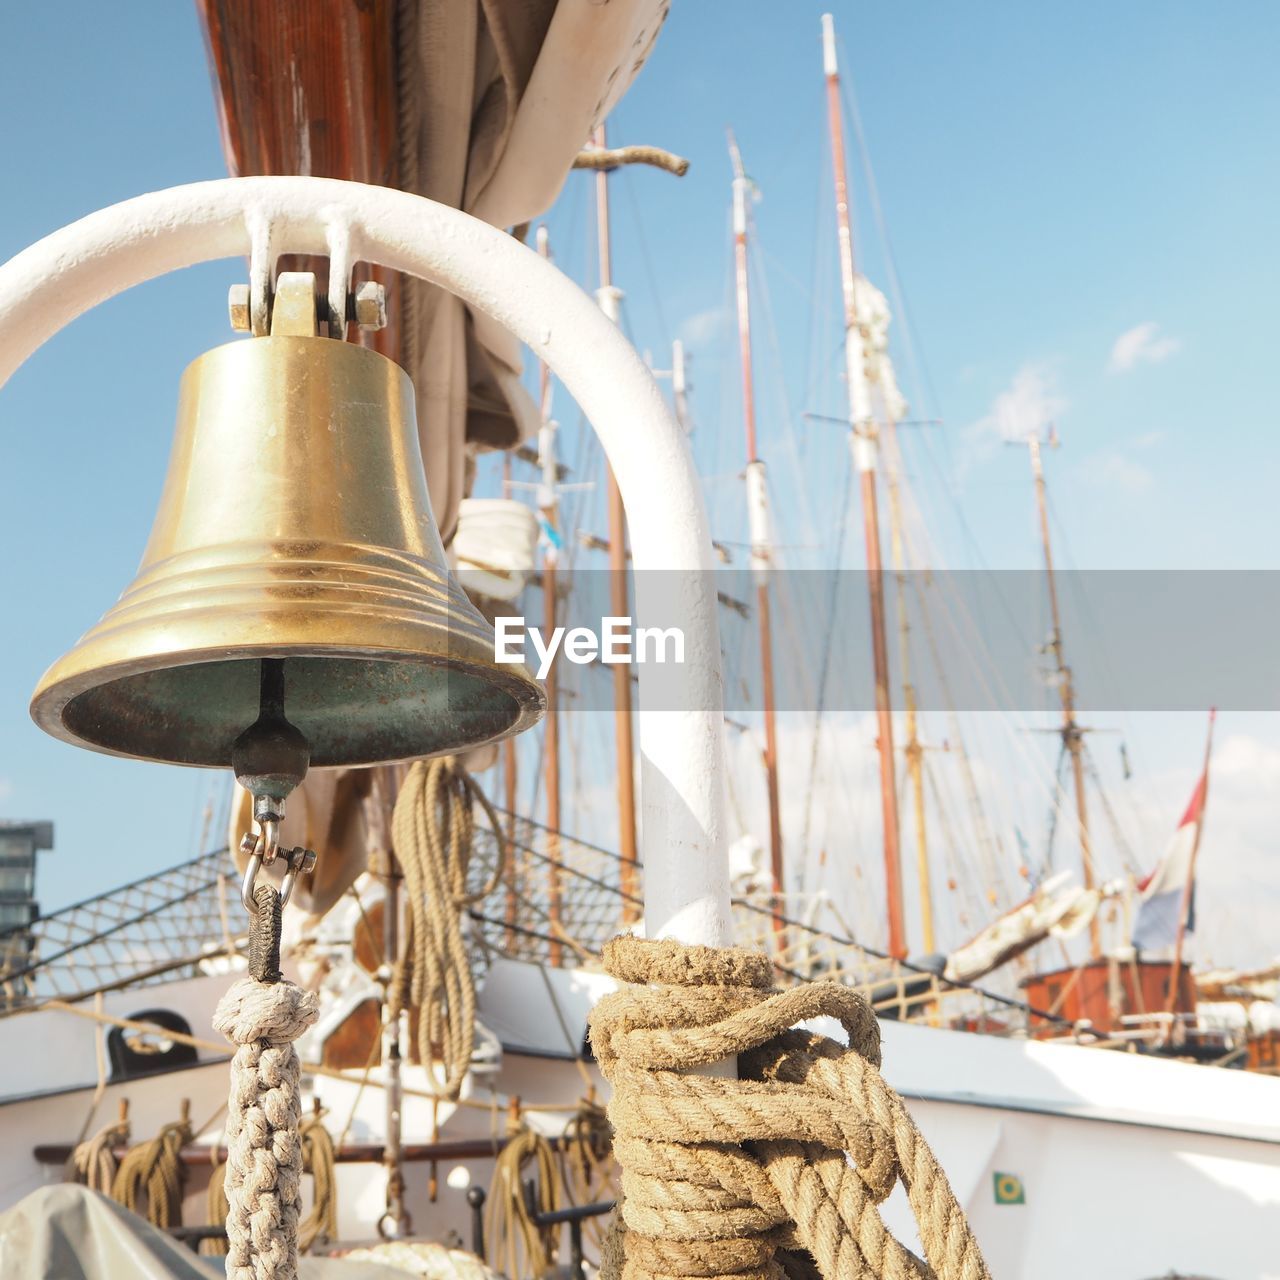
{"x":781,"y":1170}
{"x":263,"y":1015}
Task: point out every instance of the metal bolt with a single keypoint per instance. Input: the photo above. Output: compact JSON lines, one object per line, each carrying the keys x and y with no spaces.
{"x":248,"y":843}
{"x":371,"y":306}
{"x":238,"y":308}
{"x":301,"y":861}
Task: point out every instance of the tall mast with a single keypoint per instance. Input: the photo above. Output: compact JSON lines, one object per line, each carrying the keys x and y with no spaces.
{"x":1072,"y":734}
{"x":549,"y":508}
{"x":758,"y":525}
{"x":1184,"y":910}
{"x":864,"y":443}
{"x":912,"y":749}
{"x":509,"y":779}
{"x":610,"y":298}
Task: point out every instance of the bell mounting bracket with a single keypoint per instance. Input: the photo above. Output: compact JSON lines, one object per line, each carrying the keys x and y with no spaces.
{"x":506,"y":284}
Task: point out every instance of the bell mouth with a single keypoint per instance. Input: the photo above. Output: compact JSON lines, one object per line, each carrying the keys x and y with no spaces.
{"x":353,"y":709}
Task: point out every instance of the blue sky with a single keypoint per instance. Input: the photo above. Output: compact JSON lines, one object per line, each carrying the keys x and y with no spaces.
{"x":1052,"y":179}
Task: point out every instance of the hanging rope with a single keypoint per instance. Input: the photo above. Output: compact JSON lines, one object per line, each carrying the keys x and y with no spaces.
{"x":517,"y":1245}
{"x":92,"y":1163}
{"x":153,"y":1170}
{"x":263,"y":1015}
{"x":432,"y":831}
{"x":588,"y":1169}
{"x":321,"y":1223}
{"x":725,"y":1177}
{"x":218,"y":1209}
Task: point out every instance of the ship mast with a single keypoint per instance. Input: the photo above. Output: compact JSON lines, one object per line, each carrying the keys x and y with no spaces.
{"x":1072,"y":733}
{"x":549,"y":508}
{"x":864,"y":443}
{"x":912,"y":749}
{"x":609,"y":297}
{"x":758,"y":525}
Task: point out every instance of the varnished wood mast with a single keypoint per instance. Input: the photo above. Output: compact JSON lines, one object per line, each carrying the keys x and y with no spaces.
{"x":334,"y":115}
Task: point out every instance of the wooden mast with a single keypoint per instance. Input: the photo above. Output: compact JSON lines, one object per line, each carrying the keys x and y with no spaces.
{"x":912,"y":749}
{"x":549,"y":506}
{"x":864,"y":443}
{"x":509,"y":789}
{"x":609,"y":297}
{"x":1072,"y":733}
{"x":758,"y":523}
{"x":1184,"y":910}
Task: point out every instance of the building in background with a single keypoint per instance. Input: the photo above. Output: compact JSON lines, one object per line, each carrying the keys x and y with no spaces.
{"x":19,"y":844}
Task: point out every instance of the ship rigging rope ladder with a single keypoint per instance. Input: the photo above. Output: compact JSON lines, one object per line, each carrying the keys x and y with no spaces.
{"x":721,"y":1176}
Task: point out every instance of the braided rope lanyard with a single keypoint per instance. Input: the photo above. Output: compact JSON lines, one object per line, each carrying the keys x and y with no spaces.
{"x":781,"y":1171}
{"x":262,"y":1015}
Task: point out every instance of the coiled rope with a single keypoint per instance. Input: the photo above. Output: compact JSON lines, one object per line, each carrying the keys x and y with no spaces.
{"x":432,"y":830}
{"x":780,"y":1169}
{"x":263,"y":1015}
{"x":321,"y":1224}
{"x":153,"y":1170}
{"x":517,"y":1245}
{"x":92,"y":1163}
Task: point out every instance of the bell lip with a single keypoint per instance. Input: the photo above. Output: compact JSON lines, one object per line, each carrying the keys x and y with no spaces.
{"x":55,"y":691}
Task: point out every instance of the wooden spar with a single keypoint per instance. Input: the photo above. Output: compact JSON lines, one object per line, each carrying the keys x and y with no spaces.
{"x":1184,"y":910}
{"x":864,"y":444}
{"x":509,"y":780}
{"x":1072,"y":734}
{"x":912,"y":749}
{"x":550,"y":510}
{"x":609,"y":297}
{"x":758,"y":519}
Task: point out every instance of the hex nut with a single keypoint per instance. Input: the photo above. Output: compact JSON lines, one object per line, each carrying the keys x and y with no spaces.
{"x":238,"y":308}
{"x":371,"y":306}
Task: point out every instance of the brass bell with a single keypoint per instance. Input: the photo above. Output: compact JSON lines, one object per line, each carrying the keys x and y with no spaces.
{"x":295,"y":524}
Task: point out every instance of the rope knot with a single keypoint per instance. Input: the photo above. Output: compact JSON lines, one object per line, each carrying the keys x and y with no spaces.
{"x":274,"y":1012}
{"x":780,"y":1168}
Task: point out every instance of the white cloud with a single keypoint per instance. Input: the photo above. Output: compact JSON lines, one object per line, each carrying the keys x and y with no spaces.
{"x":1143,"y":344}
{"x":703,"y":327}
{"x":1030,"y":402}
{"x":1111,"y":467}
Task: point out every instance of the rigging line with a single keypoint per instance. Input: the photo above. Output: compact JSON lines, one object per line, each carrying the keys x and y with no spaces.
{"x":988,"y":838}
{"x":970,"y":905}
{"x":1055,"y":810}
{"x":808,"y":533}
{"x":824,"y":665}
{"x":1117,"y":833}
{"x":628,"y":185}
{"x":848,"y":98}
{"x":920,"y":371}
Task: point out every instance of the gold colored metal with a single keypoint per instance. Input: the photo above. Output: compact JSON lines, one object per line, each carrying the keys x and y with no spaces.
{"x":294,"y":524}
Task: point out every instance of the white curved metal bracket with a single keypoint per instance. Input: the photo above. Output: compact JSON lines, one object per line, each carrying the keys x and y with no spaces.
{"x":64,"y":275}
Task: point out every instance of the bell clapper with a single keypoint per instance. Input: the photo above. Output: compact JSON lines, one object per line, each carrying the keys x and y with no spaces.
{"x":270,"y":759}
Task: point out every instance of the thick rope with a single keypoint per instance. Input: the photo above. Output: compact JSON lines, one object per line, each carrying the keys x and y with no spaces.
{"x":92,"y":1162}
{"x":264,"y":1155}
{"x":517,"y":1245}
{"x":321,"y":1224}
{"x":432,"y":831}
{"x":768,"y":1174}
{"x":153,"y":1170}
